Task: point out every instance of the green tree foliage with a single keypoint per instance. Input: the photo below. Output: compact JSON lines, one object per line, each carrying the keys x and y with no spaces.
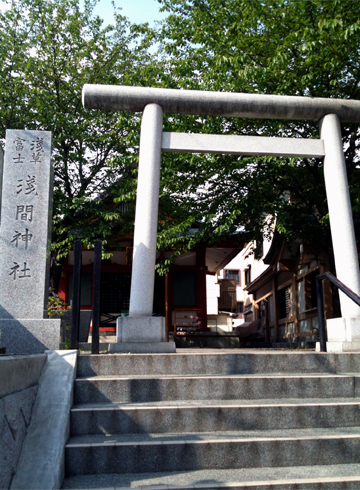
{"x":49,"y":49}
{"x":303,"y":47}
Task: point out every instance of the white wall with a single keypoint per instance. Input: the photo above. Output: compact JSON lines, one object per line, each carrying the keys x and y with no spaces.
{"x":241,"y":262}
{"x":212,"y":294}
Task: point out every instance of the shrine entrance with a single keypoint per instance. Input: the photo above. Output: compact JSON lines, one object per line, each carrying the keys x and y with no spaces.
{"x":140,"y":326}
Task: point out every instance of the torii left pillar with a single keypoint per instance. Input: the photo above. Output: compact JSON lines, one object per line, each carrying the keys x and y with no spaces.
{"x":140,"y":331}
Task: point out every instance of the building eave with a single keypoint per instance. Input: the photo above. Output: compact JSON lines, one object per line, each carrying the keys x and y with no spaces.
{"x":260,"y":280}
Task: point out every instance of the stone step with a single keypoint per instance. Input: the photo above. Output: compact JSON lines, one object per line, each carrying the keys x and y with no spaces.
{"x":349,"y":483}
{"x":215,"y":416}
{"x":217,"y":363}
{"x":229,"y":419}
{"x":289,"y":478}
{"x":137,"y":389}
{"x":144,"y":453}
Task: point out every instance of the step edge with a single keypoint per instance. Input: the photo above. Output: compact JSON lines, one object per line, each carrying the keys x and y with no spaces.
{"x":246,"y":484}
{"x":215,"y":407}
{"x":217,"y":377}
{"x":241,"y":440}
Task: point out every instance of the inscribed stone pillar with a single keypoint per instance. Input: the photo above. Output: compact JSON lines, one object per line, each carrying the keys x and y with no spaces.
{"x":25,"y":234}
{"x":1,"y":174}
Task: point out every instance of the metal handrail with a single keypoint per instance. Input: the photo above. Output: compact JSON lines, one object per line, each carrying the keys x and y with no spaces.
{"x":75,"y":318}
{"x":74,"y":333}
{"x":320,"y":302}
{"x":96,"y":298}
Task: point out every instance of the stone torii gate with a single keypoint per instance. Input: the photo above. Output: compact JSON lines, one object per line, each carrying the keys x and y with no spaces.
{"x":140,"y":332}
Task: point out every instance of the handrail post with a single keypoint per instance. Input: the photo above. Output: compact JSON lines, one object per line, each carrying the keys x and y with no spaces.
{"x":96,"y":298}
{"x":320,"y":310}
{"x":75,"y":317}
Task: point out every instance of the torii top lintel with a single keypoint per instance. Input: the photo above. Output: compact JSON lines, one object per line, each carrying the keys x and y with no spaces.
{"x":202,"y":103}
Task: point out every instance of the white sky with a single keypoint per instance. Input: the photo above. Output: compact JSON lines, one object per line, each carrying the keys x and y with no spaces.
{"x":137,"y":11}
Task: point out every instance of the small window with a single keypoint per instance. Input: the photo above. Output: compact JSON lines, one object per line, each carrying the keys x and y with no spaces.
{"x":315,"y":323}
{"x":248,"y":275}
{"x":307,"y":292}
{"x":285,"y":302}
{"x":240,"y":307}
{"x":304,"y":325}
{"x":301,"y":296}
{"x":232,"y":274}
{"x":291,"y":328}
{"x":310,"y":289}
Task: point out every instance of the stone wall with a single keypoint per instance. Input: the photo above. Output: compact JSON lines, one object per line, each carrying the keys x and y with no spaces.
{"x":18,"y":389}
{"x":15,"y":416}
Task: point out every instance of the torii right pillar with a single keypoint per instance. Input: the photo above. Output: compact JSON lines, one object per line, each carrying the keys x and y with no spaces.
{"x":343,"y":333}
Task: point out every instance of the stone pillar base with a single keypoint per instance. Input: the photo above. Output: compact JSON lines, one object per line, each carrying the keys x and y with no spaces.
{"x":343,"y":335}
{"x":141,"y":334}
{"x":32,"y":336}
{"x":340,"y":346}
{"x":141,"y":329}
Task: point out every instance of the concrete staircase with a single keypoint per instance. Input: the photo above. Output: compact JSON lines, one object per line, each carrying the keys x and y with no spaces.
{"x":264,"y":420}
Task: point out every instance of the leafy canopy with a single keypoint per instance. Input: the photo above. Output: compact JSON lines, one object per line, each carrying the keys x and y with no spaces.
{"x":302,"y":47}
{"x":49,"y":49}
